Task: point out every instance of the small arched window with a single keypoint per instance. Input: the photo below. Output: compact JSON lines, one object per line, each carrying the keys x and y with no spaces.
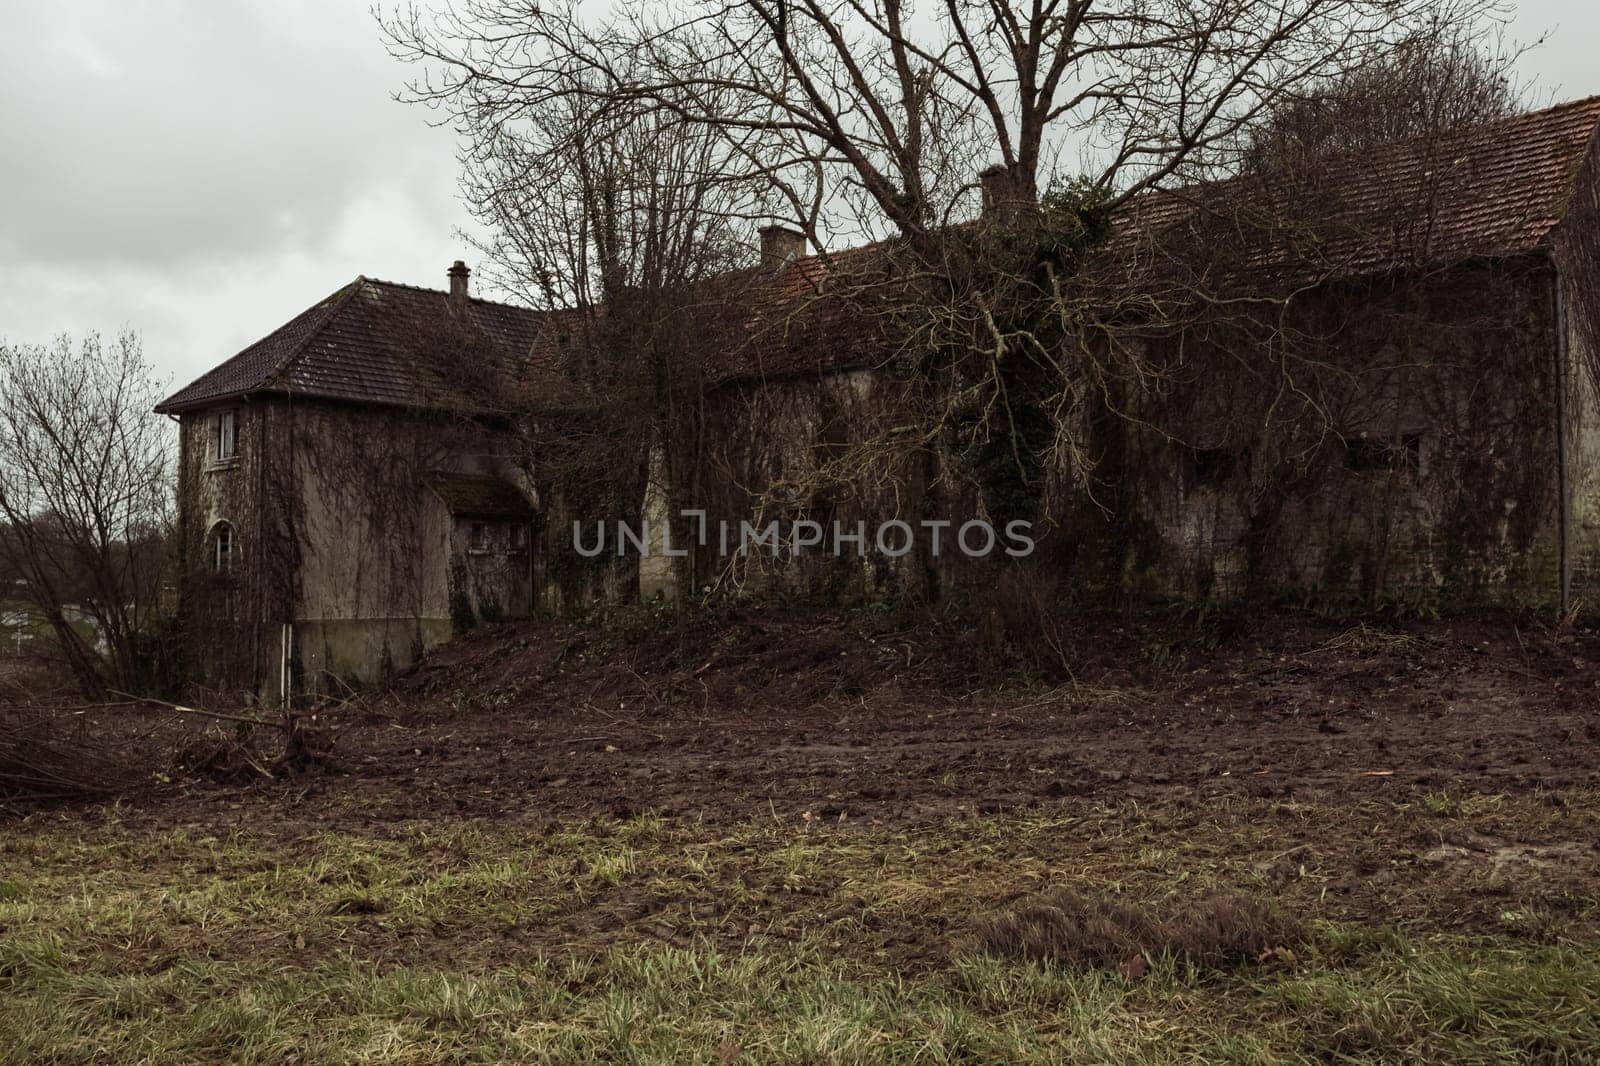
{"x":223,"y":548}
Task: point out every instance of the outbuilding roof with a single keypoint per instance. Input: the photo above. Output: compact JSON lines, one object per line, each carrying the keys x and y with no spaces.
{"x":468,"y":496}
{"x":1494,"y":190}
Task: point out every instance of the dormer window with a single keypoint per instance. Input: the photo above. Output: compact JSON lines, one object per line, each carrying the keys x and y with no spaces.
{"x":227,"y":436}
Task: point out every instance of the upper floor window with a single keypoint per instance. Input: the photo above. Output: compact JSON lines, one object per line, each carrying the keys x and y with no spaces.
{"x":227,"y":436}
{"x":478,"y":537}
{"x":1212,"y":466}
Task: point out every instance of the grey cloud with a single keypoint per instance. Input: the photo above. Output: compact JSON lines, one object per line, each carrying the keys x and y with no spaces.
{"x":201,"y":170}
{"x":158,"y":132}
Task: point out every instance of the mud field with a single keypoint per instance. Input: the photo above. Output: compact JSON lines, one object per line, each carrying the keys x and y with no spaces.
{"x":800,"y":716}
{"x":1419,"y":769}
{"x":1386,"y":827}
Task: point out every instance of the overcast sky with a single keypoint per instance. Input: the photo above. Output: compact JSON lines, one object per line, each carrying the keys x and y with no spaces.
{"x":202,"y":170}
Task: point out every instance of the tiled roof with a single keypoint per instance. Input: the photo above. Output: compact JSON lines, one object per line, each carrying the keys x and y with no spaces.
{"x":1490,"y":191}
{"x":1495,"y":190}
{"x":379,"y":342}
{"x":813,"y":315}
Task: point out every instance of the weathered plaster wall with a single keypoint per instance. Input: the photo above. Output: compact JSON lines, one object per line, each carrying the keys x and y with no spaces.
{"x":338,"y":534}
{"x":378,"y":546}
{"x":844,"y":451}
{"x":1463,"y":368}
{"x":1577,"y":256}
{"x":230,"y":617}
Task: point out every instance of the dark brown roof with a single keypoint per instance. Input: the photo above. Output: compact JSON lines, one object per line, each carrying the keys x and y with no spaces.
{"x":481,"y":497}
{"x":376,"y":342}
{"x":1494,"y":190}
{"x":812,"y":315}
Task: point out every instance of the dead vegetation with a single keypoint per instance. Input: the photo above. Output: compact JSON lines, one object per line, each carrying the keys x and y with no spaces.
{"x":48,"y":754}
{"x":53,"y":750}
{"x":1084,"y":930}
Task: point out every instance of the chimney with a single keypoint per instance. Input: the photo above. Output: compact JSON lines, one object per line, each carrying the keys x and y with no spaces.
{"x":1001,"y":198}
{"x":780,"y":246}
{"x":458,"y":283}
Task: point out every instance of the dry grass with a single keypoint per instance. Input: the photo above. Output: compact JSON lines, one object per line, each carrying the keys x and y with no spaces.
{"x":268,"y":936}
{"x":1080,"y":929}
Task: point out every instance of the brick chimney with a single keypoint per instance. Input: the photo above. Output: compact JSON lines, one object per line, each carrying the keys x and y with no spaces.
{"x":458,"y":283}
{"x":1001,"y":198}
{"x":781,"y":246}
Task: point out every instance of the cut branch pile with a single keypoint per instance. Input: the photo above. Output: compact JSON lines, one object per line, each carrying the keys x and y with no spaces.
{"x":54,"y":752}
{"x":41,"y":760}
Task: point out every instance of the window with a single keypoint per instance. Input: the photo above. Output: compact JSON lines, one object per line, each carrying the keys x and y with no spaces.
{"x":478,"y":537}
{"x":519,"y":537}
{"x":227,"y":436}
{"x":222,"y":548}
{"x":1211,"y":466}
{"x":1384,"y":453}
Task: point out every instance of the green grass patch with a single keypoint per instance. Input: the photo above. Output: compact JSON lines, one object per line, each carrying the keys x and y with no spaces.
{"x":651,"y":940}
{"x":1437,"y":999}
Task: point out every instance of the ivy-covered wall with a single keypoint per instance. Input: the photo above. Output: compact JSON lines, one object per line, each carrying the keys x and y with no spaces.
{"x":338,"y":535}
{"x":1410,"y":449}
{"x":1404,"y":446}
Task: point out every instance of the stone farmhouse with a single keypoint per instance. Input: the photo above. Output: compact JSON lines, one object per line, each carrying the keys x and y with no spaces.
{"x":355,"y":487}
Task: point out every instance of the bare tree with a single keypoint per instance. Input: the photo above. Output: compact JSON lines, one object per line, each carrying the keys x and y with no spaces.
{"x":86,"y":492}
{"x":883,"y":109}
{"x":1429,"y":85}
{"x":1039,"y":339}
{"x":624,"y":221}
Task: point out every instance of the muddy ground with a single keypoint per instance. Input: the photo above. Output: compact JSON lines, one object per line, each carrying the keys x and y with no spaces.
{"x":1439,"y":773}
{"x":797,"y":714}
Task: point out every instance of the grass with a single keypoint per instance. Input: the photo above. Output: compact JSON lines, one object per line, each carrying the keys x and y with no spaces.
{"x":653,"y":940}
{"x":1443,"y":999}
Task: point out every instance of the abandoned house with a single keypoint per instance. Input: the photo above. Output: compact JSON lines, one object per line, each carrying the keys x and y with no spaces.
{"x":1413,"y":411}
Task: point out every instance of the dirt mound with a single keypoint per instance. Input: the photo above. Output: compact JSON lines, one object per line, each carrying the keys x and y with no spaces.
{"x":847,"y":717}
{"x":781,"y":658}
